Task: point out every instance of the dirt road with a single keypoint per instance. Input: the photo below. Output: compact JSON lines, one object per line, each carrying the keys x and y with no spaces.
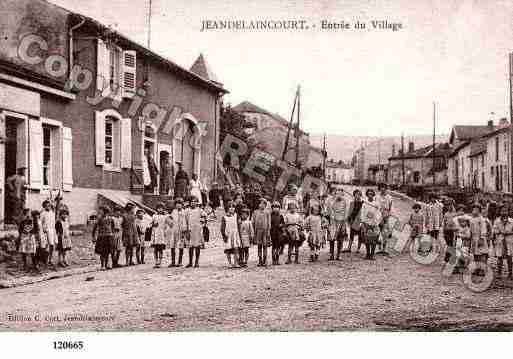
{"x":391,"y":293}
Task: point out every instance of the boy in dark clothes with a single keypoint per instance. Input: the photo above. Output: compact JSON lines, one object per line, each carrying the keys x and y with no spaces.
{"x":277,"y":237}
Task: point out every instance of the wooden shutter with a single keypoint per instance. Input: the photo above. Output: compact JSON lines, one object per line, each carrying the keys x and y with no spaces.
{"x":102,"y":69}
{"x":126,"y":143}
{"x":67,"y":159}
{"x":129,"y":73}
{"x":99,"y":131}
{"x":35,"y":154}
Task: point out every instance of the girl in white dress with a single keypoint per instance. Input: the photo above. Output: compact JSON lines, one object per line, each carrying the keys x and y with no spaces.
{"x":197,"y":219}
{"x":293,"y":224}
{"x":231,"y":236}
{"x":196,"y":187}
{"x":48,"y":227}
{"x":160,"y":224}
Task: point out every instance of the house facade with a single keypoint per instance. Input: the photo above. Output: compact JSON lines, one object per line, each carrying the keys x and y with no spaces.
{"x":498,"y":159}
{"x":339,"y":172}
{"x":420,"y":166}
{"x":81,"y":105}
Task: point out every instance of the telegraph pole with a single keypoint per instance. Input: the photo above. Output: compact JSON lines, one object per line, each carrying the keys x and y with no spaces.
{"x":402,"y":157}
{"x":324,"y":154}
{"x":434,"y":134}
{"x":510,"y":70}
{"x":149,"y":23}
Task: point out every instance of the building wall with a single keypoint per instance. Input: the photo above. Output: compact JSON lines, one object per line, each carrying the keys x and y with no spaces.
{"x":497,"y":163}
{"x":478,"y":171}
{"x":168,"y":89}
{"x":416,"y":172}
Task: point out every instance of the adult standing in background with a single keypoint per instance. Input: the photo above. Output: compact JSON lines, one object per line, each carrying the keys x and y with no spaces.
{"x":196,"y":187}
{"x":16,"y":187}
{"x":181,"y":182}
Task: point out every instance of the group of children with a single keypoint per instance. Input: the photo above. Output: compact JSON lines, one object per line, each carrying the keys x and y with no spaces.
{"x":41,"y":233}
{"x":184,"y":226}
{"x":471,"y":234}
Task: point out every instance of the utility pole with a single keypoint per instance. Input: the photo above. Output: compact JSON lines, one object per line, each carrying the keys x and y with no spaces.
{"x":434,"y":134}
{"x":402,"y":157}
{"x":297,"y":124}
{"x":324,"y":154}
{"x":149,"y":23}
{"x":510,"y":122}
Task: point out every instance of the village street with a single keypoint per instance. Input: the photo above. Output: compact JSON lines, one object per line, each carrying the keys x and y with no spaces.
{"x":353,"y":294}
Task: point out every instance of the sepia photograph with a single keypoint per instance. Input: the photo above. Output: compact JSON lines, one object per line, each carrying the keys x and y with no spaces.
{"x":255,"y":166}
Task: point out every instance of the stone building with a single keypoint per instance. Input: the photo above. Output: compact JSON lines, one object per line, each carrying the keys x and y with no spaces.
{"x":419,"y":167}
{"x":80,"y":105}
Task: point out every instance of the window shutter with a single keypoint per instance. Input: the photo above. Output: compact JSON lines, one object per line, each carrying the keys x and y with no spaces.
{"x":129,"y":73}
{"x":99,"y":130}
{"x":67,"y":162}
{"x":102,"y":63}
{"x":35,"y":154}
{"x":126,"y":143}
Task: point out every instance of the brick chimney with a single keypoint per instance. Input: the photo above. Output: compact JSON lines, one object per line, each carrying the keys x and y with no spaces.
{"x":411,"y":147}
{"x":490,"y":124}
{"x":503,"y":122}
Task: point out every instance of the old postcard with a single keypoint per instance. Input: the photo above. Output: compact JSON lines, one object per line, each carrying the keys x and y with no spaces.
{"x":252,"y":166}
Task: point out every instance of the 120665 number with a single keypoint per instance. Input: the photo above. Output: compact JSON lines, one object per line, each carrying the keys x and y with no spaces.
{"x":65,"y":345}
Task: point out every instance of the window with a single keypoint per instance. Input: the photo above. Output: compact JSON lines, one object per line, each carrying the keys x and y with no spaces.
{"x":112,"y":143}
{"x":496,"y":148}
{"x":114,"y":67}
{"x":109,"y":141}
{"x":47,"y":155}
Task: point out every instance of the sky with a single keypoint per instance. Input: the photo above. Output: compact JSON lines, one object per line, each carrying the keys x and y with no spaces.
{"x":353,"y":82}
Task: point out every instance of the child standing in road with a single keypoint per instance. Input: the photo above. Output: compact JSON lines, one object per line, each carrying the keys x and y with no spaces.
{"x":160,"y":223}
{"x":313,"y":224}
{"x":130,"y":236}
{"x":197,"y":220}
{"x":246,"y":236}
{"x":63,"y":236}
{"x":449,"y":228}
{"x":27,"y":242}
{"x":416,"y":222}
{"x":338,"y":230}
{"x":41,"y":241}
{"x":371,"y":218}
{"x":231,"y":235}
{"x":277,"y":228}
{"x":48,"y":228}
{"x":503,"y":241}
{"x":354,"y":219}
{"x":262,"y":227}
{"x":117,"y":238}
{"x":293,"y":224}
{"x":142,"y":224}
{"x":180,"y":232}
{"x":103,"y":231}
{"x":479,"y":236}
{"x":463,"y":237}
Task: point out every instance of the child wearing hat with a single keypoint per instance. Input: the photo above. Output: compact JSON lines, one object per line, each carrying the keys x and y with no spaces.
{"x":262,"y":227}
{"x":246,"y":236}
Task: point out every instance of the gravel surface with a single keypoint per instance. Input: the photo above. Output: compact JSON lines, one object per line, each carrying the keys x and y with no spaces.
{"x":391,"y":293}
